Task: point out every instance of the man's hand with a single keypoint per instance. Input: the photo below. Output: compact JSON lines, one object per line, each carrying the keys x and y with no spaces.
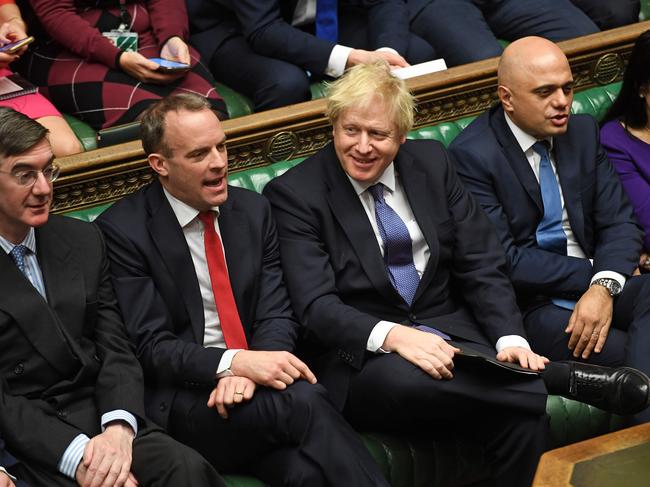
{"x":426,"y":350}
{"x":271,"y":369}
{"x":361,"y":56}
{"x":644,"y":261}
{"x":590,"y":321}
{"x":5,"y":481}
{"x":524,"y":357}
{"x":142,"y":69}
{"x":107,"y":458}
{"x":175,"y":49}
{"x":229,"y":392}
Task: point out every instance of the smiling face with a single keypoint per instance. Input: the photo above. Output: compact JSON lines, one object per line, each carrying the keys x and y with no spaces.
{"x":537,"y":90}
{"x":196,"y":168}
{"x":366,"y":140}
{"x":22,"y":207}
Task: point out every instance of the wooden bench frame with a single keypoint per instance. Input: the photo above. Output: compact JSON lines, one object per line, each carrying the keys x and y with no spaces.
{"x":104,"y":175}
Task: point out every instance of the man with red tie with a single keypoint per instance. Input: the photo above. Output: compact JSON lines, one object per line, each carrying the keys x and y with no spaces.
{"x":195,"y":266}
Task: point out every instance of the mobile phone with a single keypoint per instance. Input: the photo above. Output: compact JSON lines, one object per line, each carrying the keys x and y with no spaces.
{"x":16,"y":45}
{"x":167,"y":65}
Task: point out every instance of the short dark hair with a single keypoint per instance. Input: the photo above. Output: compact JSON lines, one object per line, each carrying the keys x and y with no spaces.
{"x":629,"y":107}
{"x":18,"y":132}
{"x":152,"y":125}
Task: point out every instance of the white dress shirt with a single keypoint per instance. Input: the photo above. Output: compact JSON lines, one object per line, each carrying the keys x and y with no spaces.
{"x":395,"y":197}
{"x":526,"y":143}
{"x":193,"y":231}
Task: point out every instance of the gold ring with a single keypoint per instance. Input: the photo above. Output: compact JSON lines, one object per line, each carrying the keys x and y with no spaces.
{"x":240,"y":393}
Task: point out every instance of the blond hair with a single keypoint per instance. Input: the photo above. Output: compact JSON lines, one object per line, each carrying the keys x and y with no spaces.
{"x":363,"y":85}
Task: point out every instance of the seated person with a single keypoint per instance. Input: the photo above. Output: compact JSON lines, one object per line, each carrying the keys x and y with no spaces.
{"x":85,"y":75}
{"x":463,"y":31}
{"x":271,"y":51}
{"x":625,"y":135}
{"x":36,"y":106}
{"x":560,"y":211}
{"x":608,"y":14}
{"x":396,"y":272}
{"x":71,"y":390}
{"x":195,"y":265}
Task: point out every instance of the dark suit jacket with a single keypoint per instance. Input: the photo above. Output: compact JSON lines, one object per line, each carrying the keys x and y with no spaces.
{"x":159,"y":295}
{"x":496,"y":171}
{"x":67,"y":361}
{"x":266,"y":25}
{"x":336,"y":274}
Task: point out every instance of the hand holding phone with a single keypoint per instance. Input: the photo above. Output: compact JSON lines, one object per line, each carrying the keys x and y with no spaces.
{"x":15,"y":46}
{"x":168,"y":66}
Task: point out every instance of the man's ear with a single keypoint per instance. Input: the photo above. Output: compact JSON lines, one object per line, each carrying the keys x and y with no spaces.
{"x":505,"y":97}
{"x":158,"y":163}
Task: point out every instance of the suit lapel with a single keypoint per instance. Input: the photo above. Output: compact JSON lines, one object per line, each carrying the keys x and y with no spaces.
{"x":516,"y":157}
{"x":414,"y":181}
{"x":568,"y":168}
{"x":168,"y":237}
{"x":36,"y":317}
{"x":350,"y":214}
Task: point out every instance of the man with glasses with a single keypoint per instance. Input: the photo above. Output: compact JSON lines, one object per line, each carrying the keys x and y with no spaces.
{"x":71,"y":394}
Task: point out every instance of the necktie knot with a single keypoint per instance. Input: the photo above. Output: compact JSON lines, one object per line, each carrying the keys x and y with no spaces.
{"x":207,"y":218}
{"x":17,"y":254}
{"x":377,"y":192}
{"x":541,"y":147}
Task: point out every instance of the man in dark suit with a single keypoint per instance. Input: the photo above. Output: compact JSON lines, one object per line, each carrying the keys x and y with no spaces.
{"x":212,"y":322}
{"x":463,"y":31}
{"x":272,"y":50}
{"x":572,"y":247}
{"x":71,"y":393}
{"x":607,"y":14}
{"x":398,"y":277}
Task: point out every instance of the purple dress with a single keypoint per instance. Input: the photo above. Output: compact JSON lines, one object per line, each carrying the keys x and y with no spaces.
{"x":631,"y":159}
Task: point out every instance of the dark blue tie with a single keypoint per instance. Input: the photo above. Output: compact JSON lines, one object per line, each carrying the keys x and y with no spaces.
{"x":398,"y":247}
{"x":550,"y":234}
{"x":327,"y":20}
{"x":17,"y":254}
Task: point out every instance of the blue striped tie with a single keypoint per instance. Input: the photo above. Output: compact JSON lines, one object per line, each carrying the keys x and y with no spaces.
{"x":550,"y":234}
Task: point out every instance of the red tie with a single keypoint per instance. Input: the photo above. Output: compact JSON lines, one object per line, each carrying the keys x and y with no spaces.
{"x":231,"y":327}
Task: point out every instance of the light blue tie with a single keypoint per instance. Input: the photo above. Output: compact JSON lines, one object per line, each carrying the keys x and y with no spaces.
{"x":550,"y":234}
{"x":17,"y":254}
{"x":327,"y":20}
{"x":398,"y":247}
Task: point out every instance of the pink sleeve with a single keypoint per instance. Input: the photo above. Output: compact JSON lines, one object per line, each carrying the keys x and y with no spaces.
{"x":168,"y":19}
{"x":60,"y":20}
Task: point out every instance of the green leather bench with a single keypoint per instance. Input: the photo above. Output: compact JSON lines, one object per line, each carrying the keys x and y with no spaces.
{"x":444,"y":461}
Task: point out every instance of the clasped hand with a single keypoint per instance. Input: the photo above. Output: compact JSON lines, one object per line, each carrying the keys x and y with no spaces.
{"x":145,"y":70}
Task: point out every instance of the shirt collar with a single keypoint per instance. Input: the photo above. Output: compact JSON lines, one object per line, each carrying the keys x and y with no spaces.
{"x":387,"y":179}
{"x":184,"y":212}
{"x":525,"y":140}
{"x":29,"y":241}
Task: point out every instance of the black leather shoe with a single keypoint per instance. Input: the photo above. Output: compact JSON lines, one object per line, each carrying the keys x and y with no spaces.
{"x":621,"y":390}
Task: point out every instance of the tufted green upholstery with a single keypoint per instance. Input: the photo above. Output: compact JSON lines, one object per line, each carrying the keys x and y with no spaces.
{"x":434,"y":461}
{"x":84,"y":132}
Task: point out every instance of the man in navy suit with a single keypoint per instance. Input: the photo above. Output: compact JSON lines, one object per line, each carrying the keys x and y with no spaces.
{"x":560,"y":212}
{"x":463,"y":31}
{"x":195,"y":265}
{"x":607,"y":14}
{"x":272,"y":50}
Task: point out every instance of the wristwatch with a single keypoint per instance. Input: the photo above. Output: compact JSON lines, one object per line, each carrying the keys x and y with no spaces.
{"x":612,"y":285}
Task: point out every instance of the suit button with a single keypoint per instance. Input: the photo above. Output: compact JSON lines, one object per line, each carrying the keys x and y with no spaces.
{"x":413,"y":317}
{"x":61,"y":414}
{"x":163,"y":406}
{"x":19,"y":369}
{"x":96,"y":357}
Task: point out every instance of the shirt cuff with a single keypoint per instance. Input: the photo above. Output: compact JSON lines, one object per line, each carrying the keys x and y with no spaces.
{"x":609,"y":275}
{"x":378,"y":336}
{"x":73,"y":455}
{"x":2,"y":469}
{"x":337,"y":61}
{"x":226,"y":362}
{"x":120,"y":415}
{"x":511,"y":341}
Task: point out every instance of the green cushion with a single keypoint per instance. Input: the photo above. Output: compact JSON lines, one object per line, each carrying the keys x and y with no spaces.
{"x":645,"y":10}
{"x":318,"y":90}
{"x":237,"y":104}
{"x":84,"y":132}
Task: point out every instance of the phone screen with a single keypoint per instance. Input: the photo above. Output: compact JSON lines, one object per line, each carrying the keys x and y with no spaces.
{"x":14,"y":46}
{"x":166,"y":64}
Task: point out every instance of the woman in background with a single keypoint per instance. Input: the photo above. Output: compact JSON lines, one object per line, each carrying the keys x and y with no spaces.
{"x":36,"y":106}
{"x":626,"y":137}
{"x":86,"y":75}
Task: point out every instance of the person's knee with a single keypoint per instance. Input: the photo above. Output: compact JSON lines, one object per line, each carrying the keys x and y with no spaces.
{"x":283,"y":88}
{"x":65,"y":146}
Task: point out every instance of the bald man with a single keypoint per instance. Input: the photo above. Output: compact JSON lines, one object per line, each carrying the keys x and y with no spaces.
{"x":559,"y":209}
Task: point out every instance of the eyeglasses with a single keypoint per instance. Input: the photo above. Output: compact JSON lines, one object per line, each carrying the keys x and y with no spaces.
{"x":29,"y":177}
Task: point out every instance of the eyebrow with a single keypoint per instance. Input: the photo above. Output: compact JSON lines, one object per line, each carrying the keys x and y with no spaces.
{"x":21,"y":166}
